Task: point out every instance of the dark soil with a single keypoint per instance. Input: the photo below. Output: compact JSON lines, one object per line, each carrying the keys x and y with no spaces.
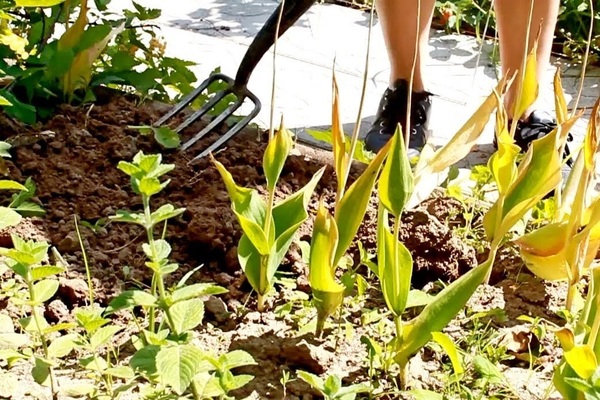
{"x":75,"y":170}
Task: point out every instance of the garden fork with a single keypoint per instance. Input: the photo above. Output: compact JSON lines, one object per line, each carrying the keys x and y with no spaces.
{"x":292,"y":11}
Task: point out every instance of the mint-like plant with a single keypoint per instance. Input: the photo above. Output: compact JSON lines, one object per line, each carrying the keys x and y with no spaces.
{"x":165,"y":355}
{"x":268,"y":228}
{"x":26,"y":259}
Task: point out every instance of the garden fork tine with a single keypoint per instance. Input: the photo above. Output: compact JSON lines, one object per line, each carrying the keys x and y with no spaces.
{"x":292,"y":11}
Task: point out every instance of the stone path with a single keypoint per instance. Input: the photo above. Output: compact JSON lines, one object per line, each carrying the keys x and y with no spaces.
{"x":216,"y":33}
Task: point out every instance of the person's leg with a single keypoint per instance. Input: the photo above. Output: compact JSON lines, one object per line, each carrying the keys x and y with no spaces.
{"x":398,"y":20}
{"x":512,"y":17}
{"x":399,"y":25}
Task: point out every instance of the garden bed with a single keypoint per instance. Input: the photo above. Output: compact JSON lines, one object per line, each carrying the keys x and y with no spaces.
{"x":73,"y":160}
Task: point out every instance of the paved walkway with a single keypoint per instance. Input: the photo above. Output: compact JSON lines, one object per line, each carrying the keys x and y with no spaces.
{"x":216,"y":33}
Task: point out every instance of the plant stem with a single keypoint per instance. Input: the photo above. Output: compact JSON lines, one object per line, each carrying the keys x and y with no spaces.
{"x":85,"y":262}
{"x":150,"y":236}
{"x":356,"y":130}
{"x":38,"y":326}
{"x":272,"y":113}
{"x":260,"y":304}
{"x":412,"y":78}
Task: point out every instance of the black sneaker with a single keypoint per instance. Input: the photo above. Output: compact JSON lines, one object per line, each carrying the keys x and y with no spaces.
{"x":538,"y":125}
{"x":392,"y":111}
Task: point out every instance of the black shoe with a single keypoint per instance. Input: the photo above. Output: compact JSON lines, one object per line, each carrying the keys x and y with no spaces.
{"x":538,"y":125}
{"x":392,"y":111}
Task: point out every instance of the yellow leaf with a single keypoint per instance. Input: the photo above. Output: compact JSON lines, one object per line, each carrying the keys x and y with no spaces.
{"x":463,"y":140}
{"x":338,"y":138}
{"x":80,"y":73}
{"x":546,"y":241}
{"x":37,"y":3}
{"x":528,"y":85}
{"x":559,"y":99}
{"x":566,"y":338}
{"x":73,"y":34}
{"x":15,"y":42}
{"x":583,"y":360}
{"x":590,"y":146}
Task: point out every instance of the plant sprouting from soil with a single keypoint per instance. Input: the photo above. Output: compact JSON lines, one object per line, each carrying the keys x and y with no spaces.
{"x":268,"y":228}
{"x":26,"y":259}
{"x":334,"y":234}
{"x":165,"y":354}
{"x":331,"y":388}
{"x":565,"y":248}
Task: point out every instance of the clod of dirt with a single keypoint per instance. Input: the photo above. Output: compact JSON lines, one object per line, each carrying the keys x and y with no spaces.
{"x":437,"y":253}
{"x":216,"y":310}
{"x":73,"y":291}
{"x":306,"y":356}
{"x":27,"y":229}
{"x":447,"y":210}
{"x":57,"y":311}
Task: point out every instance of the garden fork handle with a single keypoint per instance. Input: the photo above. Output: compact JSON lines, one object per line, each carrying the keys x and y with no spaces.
{"x":292,"y":11}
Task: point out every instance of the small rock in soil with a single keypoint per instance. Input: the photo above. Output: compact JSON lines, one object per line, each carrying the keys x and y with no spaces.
{"x":57,"y":311}
{"x":73,"y":291}
{"x":216,"y":309}
{"x":306,"y":356}
{"x":69,"y":243}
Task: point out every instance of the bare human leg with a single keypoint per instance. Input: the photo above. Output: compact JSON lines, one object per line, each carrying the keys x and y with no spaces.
{"x":512,"y":19}
{"x":398,"y":20}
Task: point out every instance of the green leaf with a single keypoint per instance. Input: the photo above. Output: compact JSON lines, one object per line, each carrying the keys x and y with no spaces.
{"x":450,"y":348}
{"x":94,"y":363}
{"x":167,"y":137}
{"x":353,"y":205}
{"x":395,"y":266}
{"x":41,"y":371}
{"x":165,"y":212}
{"x":437,"y":314}
{"x":145,"y":360}
{"x":161,"y":247}
{"x":44,"y":290}
{"x":45,"y":271}
{"x":418,"y":298}
{"x":488,"y":370}
{"x":103,"y":335}
{"x":313,"y":380}
{"x":128,"y":217}
{"x":196,"y":290}
{"x":235,"y":359}
{"x":78,"y":389}
{"x":276,"y":153}
{"x":9,"y":217}
{"x":62,"y":346}
{"x":332,"y":385}
{"x":23,"y":112}
{"x":421,"y":394}
{"x":130,"y":299}
{"x":396,"y":183}
{"x":178,"y":365}
{"x":150,"y":186}
{"x":122,"y":372}
{"x":11,"y":340}
{"x":187,"y":315}
{"x":239,"y":381}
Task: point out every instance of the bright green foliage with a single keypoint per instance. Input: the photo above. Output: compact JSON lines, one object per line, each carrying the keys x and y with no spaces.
{"x":165,"y":355}
{"x":331,"y":388}
{"x":56,"y":55}
{"x":165,"y":136}
{"x":26,"y":259}
{"x":327,"y":293}
{"x":268,"y":228}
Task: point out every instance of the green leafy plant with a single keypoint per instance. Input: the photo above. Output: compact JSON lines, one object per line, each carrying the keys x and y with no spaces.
{"x":61,"y":50}
{"x":334,"y":234}
{"x":331,"y":388}
{"x":268,"y":228}
{"x":165,"y":355}
{"x":26,"y":260}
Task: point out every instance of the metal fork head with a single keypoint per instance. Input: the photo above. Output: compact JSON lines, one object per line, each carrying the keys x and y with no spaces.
{"x":241,"y":94}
